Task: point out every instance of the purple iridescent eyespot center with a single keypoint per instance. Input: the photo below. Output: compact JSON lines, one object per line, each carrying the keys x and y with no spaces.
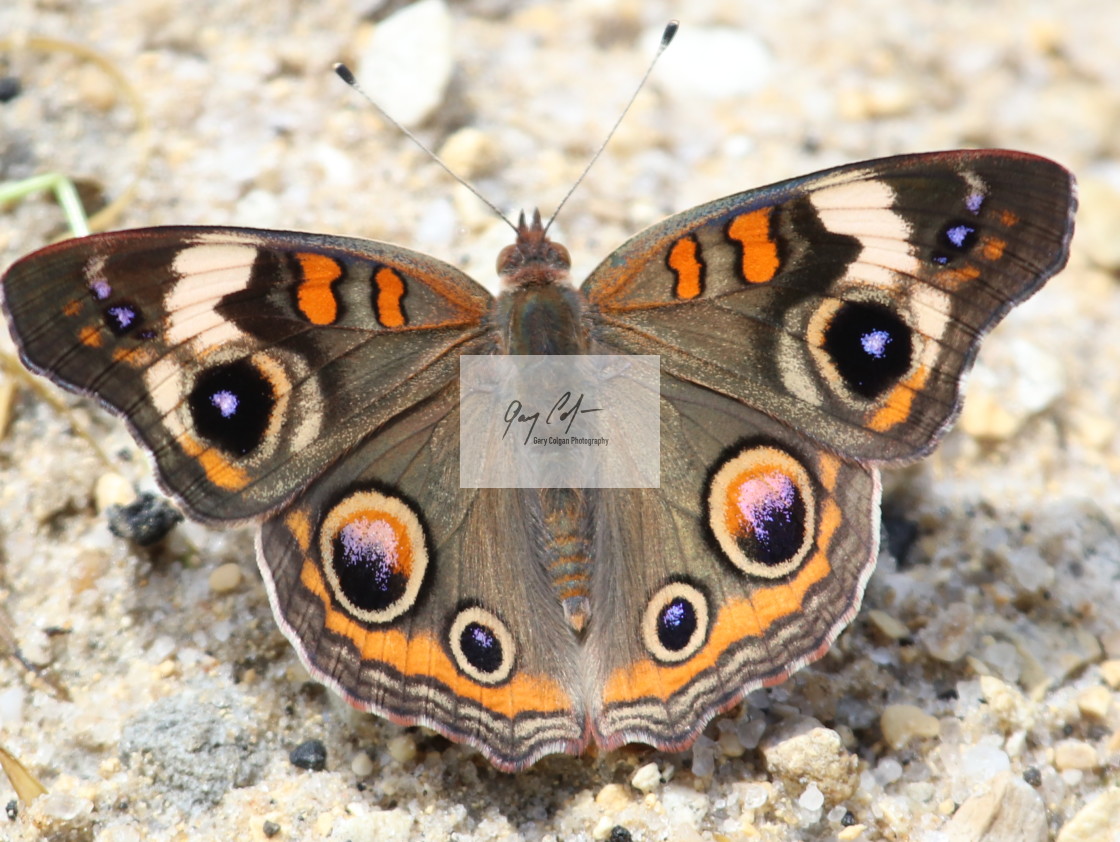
{"x":676,"y":624}
{"x":481,"y":647}
{"x":372,"y":570}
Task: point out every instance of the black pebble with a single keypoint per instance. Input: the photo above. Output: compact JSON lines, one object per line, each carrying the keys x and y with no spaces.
{"x":310,"y":754}
{"x":270,"y":829}
{"x":10,"y":88}
{"x":145,"y":521}
{"x":619,"y":834}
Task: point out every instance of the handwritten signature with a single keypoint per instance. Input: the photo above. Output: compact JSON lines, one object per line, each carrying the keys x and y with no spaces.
{"x":517,"y":413}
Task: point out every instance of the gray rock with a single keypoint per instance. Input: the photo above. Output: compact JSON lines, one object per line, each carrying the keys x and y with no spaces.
{"x":197,"y":745}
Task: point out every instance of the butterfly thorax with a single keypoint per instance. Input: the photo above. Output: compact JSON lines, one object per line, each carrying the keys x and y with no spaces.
{"x":538,"y":310}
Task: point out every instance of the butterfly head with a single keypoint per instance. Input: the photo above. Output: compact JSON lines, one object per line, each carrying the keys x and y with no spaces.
{"x":533,"y":259}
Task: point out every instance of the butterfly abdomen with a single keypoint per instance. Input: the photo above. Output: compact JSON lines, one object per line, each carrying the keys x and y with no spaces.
{"x":567,"y":551}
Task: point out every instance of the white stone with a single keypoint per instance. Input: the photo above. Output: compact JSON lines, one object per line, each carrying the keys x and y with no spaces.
{"x":647,"y":778}
{"x":1011,"y":811}
{"x":408,"y":62}
{"x":1097,"y":821}
{"x":902,"y":723}
{"x":715,"y":62}
{"x":225,"y":578}
{"x":804,"y":751}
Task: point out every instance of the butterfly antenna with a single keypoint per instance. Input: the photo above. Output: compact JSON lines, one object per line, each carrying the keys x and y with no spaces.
{"x":345,"y":74}
{"x":666,"y":38}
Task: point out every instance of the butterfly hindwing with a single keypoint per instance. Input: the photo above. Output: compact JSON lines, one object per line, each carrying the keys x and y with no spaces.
{"x":754,"y":554}
{"x":398,"y":590}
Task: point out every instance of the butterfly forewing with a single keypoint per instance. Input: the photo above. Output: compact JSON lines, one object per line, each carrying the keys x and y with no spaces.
{"x":848,"y":304}
{"x":245,"y":361}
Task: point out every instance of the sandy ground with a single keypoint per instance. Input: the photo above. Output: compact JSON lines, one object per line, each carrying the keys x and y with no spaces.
{"x":978,"y":692}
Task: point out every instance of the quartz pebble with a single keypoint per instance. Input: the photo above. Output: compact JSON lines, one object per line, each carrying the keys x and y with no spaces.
{"x":951,"y":633}
{"x":402,"y":748}
{"x":409,"y":60}
{"x":112,"y":489}
{"x":647,"y":778}
{"x":1075,"y":754}
{"x":225,"y":578}
{"x":804,"y":750}
{"x":887,"y":625}
{"x":902,"y":723}
{"x":1110,"y":672}
{"x":1097,"y":821}
{"x":1094,"y":702}
{"x":362,"y":765}
{"x":1011,"y":811}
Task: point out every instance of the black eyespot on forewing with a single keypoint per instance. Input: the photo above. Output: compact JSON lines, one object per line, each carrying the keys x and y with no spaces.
{"x":870,"y":346}
{"x":231,"y":406}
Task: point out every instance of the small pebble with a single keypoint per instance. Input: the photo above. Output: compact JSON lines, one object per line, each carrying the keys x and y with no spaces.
{"x":951,"y":634}
{"x":612,"y":798}
{"x":225,"y":578}
{"x":362,"y":765}
{"x":602,"y":829}
{"x":10,"y":88}
{"x":647,"y":778}
{"x":112,"y":489}
{"x":1075,"y":754}
{"x":145,"y":521}
{"x":61,"y":815}
{"x":1097,"y":821}
{"x":1110,"y":672}
{"x":804,"y":750}
{"x":902,"y":723}
{"x":811,"y":798}
{"x":402,"y":748}
{"x":1009,"y":812}
{"x":1094,"y":702}
{"x":409,"y":60}
{"x":470,"y":153}
{"x":714,"y":62}
{"x":887,"y":626}
{"x":981,"y":763}
{"x":270,"y":828}
{"x":310,"y":754}
{"x":1099,"y":202}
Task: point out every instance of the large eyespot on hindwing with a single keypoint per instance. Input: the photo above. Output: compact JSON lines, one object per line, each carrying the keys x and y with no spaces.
{"x":374,"y":553}
{"x":762,"y":511}
{"x":863,"y":346}
{"x":676,"y":622}
{"x":481,"y":645}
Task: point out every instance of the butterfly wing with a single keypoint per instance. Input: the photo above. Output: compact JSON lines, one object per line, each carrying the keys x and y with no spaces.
{"x":849,"y":303}
{"x":423,"y":601}
{"x":806,"y":331}
{"x":245,"y":361}
{"x":313,"y":382}
{"x":744,"y":566}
